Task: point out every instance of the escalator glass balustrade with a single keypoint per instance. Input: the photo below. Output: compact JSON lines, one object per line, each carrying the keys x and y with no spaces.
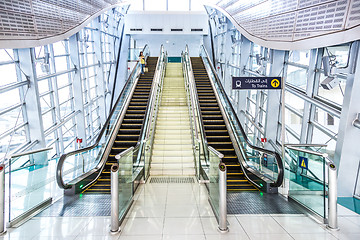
{"x":130,"y":128}
{"x":88,"y":169}
{"x":249,"y":167}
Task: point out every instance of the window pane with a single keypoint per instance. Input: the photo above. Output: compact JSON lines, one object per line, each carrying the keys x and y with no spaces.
{"x":301,"y":57}
{"x":4,"y":55}
{"x":61,"y":64}
{"x":321,"y":138}
{"x":8,"y":74}
{"x":293,"y":121}
{"x":297,"y":76}
{"x":47,"y":120}
{"x":341,"y":53}
{"x":45,"y":103}
{"x":59,"y":48}
{"x":176,"y":5}
{"x":9,"y":98}
{"x":18,"y":138}
{"x":289,"y":138}
{"x":64,"y":94}
{"x":327,"y":120}
{"x":8,"y":120}
{"x":294,"y":102}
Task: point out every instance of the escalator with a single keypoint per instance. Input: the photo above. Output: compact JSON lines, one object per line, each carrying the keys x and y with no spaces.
{"x":130,"y":128}
{"x":216,"y":132}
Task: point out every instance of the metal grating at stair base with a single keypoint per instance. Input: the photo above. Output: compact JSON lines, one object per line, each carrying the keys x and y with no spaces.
{"x":83,"y":205}
{"x":172,"y":180}
{"x":259,"y":203}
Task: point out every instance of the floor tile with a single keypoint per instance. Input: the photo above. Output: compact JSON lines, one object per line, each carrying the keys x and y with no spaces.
{"x":313,"y":236}
{"x":181,"y":210}
{"x":143,"y":226}
{"x":260,"y":224}
{"x":183,"y":237}
{"x":298,"y":224}
{"x":181,"y":226}
{"x":270,"y":236}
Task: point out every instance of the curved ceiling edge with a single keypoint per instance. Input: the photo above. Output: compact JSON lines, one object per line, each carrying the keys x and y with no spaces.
{"x":329,"y":39}
{"x":28,"y":43}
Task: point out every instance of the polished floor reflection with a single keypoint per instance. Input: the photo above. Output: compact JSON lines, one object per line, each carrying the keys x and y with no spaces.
{"x":163,"y":211}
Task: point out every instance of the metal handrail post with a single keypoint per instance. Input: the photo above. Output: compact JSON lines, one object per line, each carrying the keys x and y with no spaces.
{"x":222,"y":199}
{"x":2,"y":198}
{"x":332,"y":197}
{"x":115,"y":224}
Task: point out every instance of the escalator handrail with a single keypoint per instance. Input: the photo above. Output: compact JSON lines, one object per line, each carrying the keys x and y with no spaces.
{"x":196,"y":97}
{"x":279,"y":162}
{"x":60,"y":164}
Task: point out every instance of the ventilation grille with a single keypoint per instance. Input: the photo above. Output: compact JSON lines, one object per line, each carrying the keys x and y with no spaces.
{"x":172,"y":180}
{"x":293,"y":20}
{"x":197,"y":30}
{"x":36,"y":19}
{"x":156,"y":29}
{"x":176,"y":29}
{"x":136,"y":29}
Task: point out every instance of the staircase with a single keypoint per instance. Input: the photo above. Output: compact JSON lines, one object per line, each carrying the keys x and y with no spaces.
{"x":216,"y":132}
{"x":129,"y":131}
{"x":172,"y":152}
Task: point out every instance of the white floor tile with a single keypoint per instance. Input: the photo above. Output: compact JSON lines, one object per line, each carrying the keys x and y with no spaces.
{"x":141,"y":237}
{"x":147,"y":210}
{"x":270,"y":236}
{"x":226,"y":236}
{"x":183,"y":237}
{"x":143,"y":226}
{"x":313,"y":236}
{"x":260,"y":224}
{"x":183,"y":210}
{"x":297,"y":224}
{"x":64,"y":226}
{"x":183,"y":226}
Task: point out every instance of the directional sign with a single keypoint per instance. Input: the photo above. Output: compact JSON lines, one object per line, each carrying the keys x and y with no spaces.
{"x":256,"y":83}
{"x":303,"y":163}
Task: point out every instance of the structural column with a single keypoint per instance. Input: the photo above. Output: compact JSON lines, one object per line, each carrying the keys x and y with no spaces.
{"x":77,"y":86}
{"x":99,"y":70}
{"x":33,"y":107}
{"x":347,"y":152}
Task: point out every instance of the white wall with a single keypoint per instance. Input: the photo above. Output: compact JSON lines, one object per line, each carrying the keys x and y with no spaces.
{"x":166,"y":21}
{"x":173,"y":44}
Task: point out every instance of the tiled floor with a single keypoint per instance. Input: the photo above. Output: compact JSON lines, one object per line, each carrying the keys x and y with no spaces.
{"x":181,"y":211}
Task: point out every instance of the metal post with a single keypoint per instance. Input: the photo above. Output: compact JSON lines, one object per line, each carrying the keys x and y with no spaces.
{"x":222,"y":199}
{"x":115,"y":224}
{"x":332,"y":197}
{"x":2,"y":198}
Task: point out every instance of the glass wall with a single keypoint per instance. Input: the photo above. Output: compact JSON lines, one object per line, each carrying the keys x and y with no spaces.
{"x":89,"y":57}
{"x":309,"y":105}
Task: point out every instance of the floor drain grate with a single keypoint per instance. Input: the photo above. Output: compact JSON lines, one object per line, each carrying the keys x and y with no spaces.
{"x":172,"y":180}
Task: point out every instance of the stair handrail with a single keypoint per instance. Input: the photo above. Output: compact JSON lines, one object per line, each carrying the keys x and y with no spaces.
{"x":195,"y":103}
{"x":278,"y":159}
{"x":145,"y":129}
{"x":59,"y":171}
{"x":188,"y":71}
